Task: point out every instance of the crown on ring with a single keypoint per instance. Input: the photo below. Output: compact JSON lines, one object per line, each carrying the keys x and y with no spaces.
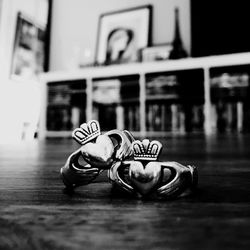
{"x":146,"y":150}
{"x":87,"y":132}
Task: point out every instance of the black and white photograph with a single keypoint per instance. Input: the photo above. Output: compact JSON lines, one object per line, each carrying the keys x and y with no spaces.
{"x":122,"y":34}
{"x":125,"y":125}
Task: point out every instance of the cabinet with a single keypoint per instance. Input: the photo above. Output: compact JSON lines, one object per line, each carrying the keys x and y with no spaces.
{"x":205,"y":95}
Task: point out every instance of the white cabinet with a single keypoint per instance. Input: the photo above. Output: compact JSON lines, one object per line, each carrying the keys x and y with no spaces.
{"x":175,"y":96}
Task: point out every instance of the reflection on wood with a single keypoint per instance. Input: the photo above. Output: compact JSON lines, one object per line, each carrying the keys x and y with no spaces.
{"x":37,"y":213}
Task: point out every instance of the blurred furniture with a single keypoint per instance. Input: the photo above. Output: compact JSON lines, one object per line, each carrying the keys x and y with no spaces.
{"x":205,"y":95}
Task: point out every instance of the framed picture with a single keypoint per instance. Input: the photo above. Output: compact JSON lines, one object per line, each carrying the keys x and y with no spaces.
{"x":28,"y":58}
{"x":122,"y":34}
{"x":156,"y":53}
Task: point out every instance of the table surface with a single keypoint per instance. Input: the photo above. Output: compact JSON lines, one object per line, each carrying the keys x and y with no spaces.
{"x":37,"y":213}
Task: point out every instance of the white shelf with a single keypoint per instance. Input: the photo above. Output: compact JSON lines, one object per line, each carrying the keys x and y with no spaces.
{"x":149,"y":67}
{"x":141,"y":69}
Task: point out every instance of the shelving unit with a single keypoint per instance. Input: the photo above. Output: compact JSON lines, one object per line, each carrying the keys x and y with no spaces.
{"x":176,"y":96}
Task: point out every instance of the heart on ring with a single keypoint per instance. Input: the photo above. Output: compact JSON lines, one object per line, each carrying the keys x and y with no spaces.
{"x":99,"y":154}
{"x":144,"y":178}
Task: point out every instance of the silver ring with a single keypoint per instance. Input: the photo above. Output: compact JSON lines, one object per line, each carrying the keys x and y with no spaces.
{"x":147,"y":177}
{"x":98,"y":150}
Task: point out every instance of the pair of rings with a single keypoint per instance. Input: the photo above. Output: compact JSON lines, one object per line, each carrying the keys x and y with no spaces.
{"x":132,"y":165}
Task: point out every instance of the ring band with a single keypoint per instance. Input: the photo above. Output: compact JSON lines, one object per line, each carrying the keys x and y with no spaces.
{"x":122,"y":141}
{"x":74,"y":174}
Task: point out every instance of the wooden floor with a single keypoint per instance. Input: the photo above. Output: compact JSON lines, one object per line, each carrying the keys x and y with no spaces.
{"x":37,"y":213}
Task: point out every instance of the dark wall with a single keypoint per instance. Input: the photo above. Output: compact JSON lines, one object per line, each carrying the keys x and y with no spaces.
{"x":219,"y":27}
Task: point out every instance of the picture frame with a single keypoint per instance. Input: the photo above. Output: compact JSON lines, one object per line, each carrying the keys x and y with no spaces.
{"x":156,"y":53}
{"x":122,"y":34}
{"x":29,"y":52}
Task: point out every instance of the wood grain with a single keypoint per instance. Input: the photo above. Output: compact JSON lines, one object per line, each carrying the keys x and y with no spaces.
{"x":37,"y":213}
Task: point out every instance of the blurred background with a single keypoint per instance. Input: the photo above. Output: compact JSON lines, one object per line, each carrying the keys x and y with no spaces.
{"x":185,"y":70}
